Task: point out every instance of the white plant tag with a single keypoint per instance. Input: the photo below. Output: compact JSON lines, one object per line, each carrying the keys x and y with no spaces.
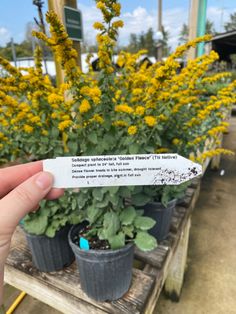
{"x":121,"y":170}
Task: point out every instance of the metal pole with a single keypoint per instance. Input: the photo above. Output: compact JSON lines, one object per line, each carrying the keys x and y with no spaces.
{"x":13,"y":50}
{"x":201,"y":25}
{"x":160,"y":29}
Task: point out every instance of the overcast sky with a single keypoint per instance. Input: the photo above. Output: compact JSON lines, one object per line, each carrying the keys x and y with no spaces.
{"x":138,"y":15}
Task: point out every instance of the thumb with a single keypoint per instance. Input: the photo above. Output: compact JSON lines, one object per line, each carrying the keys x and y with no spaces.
{"x":20,"y":201}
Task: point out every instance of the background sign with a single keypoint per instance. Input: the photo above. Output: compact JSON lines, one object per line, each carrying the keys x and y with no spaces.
{"x":73,"y":22}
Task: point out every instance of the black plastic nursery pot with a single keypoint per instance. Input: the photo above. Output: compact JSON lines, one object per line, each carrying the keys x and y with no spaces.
{"x":51,"y":254}
{"x":162,"y":215}
{"x":105,"y":275}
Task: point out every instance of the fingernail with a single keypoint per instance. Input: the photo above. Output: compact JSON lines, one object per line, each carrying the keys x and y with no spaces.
{"x":44,"y":180}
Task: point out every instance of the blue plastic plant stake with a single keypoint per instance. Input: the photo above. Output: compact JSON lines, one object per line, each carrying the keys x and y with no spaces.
{"x":84,"y":244}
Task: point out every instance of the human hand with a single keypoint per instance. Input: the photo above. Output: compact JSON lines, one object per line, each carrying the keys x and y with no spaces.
{"x":21,"y":189}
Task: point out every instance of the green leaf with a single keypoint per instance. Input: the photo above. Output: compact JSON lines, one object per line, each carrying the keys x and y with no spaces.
{"x":145,"y":241}
{"x":73,"y":147}
{"x":114,"y":199}
{"x":101,"y":234}
{"x":82,"y":199}
{"x":51,"y":231}
{"x":117,"y":241}
{"x":111,"y":224}
{"x":104,"y":145}
{"x":92,"y":137}
{"x":36,"y":224}
{"x":124,"y":192}
{"x":150,"y":149}
{"x":98,"y":194}
{"x":140,"y":199}
{"x":103,"y":203}
{"x":128,"y":230}
{"x":113,"y":190}
{"x":74,"y":204}
{"x":54,"y":208}
{"x":165,"y":199}
{"x":144,"y":223}
{"x":127,"y":215}
{"x":54,"y":132}
{"x":139,"y":212}
{"x":138,"y":189}
{"x":131,"y":188}
{"x":93,"y":213}
{"x":75,"y":218}
{"x":134,"y":148}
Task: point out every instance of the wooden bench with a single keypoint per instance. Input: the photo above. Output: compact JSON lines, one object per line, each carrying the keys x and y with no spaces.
{"x":163,"y":267}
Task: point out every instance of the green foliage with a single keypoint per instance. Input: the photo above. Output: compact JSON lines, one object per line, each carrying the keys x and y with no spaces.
{"x":231,"y":25}
{"x":143,"y":41}
{"x":110,"y":219}
{"x":162,"y":193}
{"x":145,"y":241}
{"x":53,"y":215}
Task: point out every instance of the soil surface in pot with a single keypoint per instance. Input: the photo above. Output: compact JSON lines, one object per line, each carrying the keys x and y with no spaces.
{"x":94,"y":242}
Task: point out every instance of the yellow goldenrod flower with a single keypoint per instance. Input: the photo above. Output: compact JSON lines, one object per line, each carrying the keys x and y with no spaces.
{"x":132,"y":130}
{"x":65,"y":117}
{"x":140,"y":110}
{"x":120,"y":123}
{"x":176,"y":141}
{"x":116,"y":7}
{"x":162,"y":150}
{"x":100,"y":5}
{"x":98,"y":25}
{"x":44,"y":132}
{"x":118,"y":24}
{"x":84,"y":106}
{"x":54,"y":98}
{"x":97,"y":118}
{"x":124,"y":108}
{"x":27,"y":128}
{"x":53,"y":115}
{"x":64,"y":124}
{"x":150,"y":121}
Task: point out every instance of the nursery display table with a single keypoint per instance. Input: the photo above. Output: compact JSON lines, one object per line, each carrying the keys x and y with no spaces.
{"x":162,"y":268}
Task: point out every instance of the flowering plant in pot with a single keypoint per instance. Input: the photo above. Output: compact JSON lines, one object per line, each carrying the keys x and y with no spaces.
{"x":158,"y":202}
{"x":47,"y":230}
{"x":104,"y":243}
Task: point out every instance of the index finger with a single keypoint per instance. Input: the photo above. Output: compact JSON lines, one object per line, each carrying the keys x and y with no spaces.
{"x":13,"y":176}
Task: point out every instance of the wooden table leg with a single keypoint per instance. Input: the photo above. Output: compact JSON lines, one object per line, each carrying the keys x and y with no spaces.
{"x":174,"y":280}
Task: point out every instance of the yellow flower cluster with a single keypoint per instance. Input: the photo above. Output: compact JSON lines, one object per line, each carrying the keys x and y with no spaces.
{"x":150,"y":121}
{"x":140,"y":110}
{"x":132,"y":130}
{"x":161,"y":108}
{"x":124,"y":108}
{"x":93,"y":92}
{"x":212,"y":153}
{"x":216,"y":77}
{"x":64,"y":124}
{"x":120,"y":123}
{"x":84,"y":106}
